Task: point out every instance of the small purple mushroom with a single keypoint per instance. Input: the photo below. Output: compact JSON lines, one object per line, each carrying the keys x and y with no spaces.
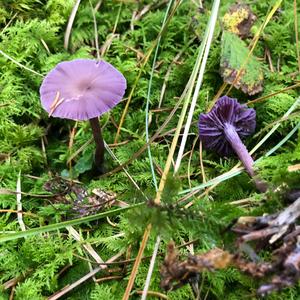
{"x":83,"y":89}
{"x":223,"y":127}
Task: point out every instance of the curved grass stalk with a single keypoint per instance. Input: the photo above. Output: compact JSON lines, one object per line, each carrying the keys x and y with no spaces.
{"x":205,"y":46}
{"x":70,"y":24}
{"x":187,"y":95}
{"x":149,"y":227}
{"x":95,"y":31}
{"x":117,"y":18}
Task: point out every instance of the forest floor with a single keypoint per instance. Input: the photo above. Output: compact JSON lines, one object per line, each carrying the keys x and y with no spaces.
{"x":168,"y":217}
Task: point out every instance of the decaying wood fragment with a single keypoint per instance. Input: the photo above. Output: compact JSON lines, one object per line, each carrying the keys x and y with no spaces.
{"x":176,"y":273}
{"x":278,"y":232}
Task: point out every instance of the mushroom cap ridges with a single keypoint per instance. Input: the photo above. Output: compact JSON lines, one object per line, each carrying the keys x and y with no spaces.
{"x":226,"y":111}
{"x":87,"y":88}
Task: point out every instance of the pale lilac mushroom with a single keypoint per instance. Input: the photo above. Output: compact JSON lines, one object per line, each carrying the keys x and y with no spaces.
{"x":83,"y":89}
{"x":223,"y":128}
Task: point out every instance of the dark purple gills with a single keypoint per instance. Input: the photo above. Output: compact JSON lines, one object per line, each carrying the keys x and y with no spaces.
{"x":223,"y":128}
{"x":227,"y":112}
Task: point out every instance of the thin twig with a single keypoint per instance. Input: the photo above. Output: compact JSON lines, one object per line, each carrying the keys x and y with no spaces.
{"x":108,"y":278}
{"x":12,"y":292}
{"x":9,"y":22}
{"x":124,"y":169}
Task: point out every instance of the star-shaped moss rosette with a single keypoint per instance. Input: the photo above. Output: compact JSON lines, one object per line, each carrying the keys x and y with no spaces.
{"x":223,"y":128}
{"x":83,"y":89}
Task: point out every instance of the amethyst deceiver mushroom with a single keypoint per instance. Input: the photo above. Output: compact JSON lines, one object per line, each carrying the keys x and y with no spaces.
{"x":83,"y":89}
{"x":224,"y":126}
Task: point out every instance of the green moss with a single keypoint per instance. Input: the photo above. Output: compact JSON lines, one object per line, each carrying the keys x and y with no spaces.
{"x":32,"y":32}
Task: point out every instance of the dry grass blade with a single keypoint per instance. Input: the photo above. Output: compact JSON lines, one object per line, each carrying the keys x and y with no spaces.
{"x":85,"y":245}
{"x":137,"y":262}
{"x":95,"y":30}
{"x":19,"y":204}
{"x":260,"y":99}
{"x":86,"y":277}
{"x":151,"y":267}
{"x":70,"y":24}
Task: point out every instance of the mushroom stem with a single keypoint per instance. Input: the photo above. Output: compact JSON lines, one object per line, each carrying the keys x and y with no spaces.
{"x":243,"y":154}
{"x":99,"y":153}
{"x":239,"y":148}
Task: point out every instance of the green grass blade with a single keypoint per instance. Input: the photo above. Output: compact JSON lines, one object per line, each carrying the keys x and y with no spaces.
{"x":57,"y":226}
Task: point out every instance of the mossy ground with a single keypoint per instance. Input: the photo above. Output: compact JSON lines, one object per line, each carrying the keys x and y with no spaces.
{"x":39,"y":148}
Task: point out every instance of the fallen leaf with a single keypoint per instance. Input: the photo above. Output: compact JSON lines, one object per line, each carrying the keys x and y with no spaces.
{"x":233,"y":57}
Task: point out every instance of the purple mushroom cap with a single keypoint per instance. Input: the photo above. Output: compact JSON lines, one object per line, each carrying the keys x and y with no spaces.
{"x":226,"y":112}
{"x":82,"y":89}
